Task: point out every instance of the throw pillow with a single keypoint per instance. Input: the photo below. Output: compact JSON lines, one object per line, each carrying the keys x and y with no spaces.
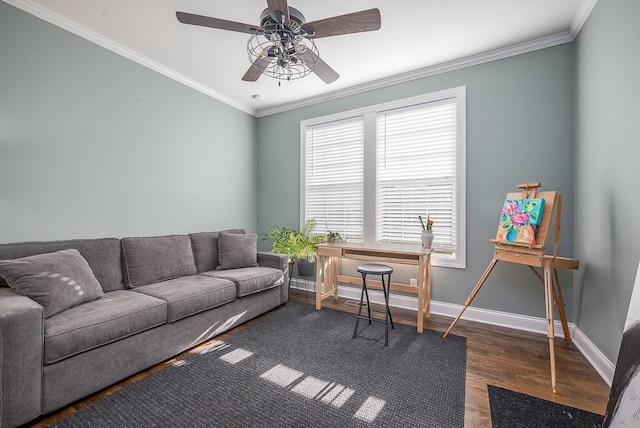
{"x":57,"y":281}
{"x":205,"y":249}
{"x":237,"y":251}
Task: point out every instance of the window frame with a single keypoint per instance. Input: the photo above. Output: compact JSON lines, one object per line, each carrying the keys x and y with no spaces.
{"x":369,"y":115}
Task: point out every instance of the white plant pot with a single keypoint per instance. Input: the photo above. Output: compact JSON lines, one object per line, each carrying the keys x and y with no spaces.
{"x":427,"y":239}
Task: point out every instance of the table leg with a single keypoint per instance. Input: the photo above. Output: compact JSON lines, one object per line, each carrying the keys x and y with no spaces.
{"x":321,"y":270}
{"x":421,"y":293}
{"x":334,"y":277}
{"x":427,"y":285}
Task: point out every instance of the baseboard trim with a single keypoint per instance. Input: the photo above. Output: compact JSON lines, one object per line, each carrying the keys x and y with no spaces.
{"x":596,"y":358}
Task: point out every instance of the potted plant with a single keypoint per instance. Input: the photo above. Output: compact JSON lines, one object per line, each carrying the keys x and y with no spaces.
{"x":334,"y":237}
{"x":300,"y":245}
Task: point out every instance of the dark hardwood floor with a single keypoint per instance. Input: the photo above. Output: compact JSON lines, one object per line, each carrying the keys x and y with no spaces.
{"x":498,"y":356}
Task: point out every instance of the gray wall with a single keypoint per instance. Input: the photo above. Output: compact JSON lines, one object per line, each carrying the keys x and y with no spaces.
{"x":92,"y":144}
{"x":607,"y":172}
{"x":519,"y":128}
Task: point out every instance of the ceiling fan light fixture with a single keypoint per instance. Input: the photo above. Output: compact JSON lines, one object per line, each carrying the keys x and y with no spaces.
{"x":282,"y":51}
{"x":275,"y":37}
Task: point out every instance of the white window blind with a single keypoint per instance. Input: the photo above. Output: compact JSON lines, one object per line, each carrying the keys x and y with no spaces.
{"x":369,"y":173}
{"x":415,"y":173}
{"x":334,"y":177}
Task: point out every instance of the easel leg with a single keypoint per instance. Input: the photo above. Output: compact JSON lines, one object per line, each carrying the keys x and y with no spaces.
{"x":557,"y":298}
{"x":557,"y":293}
{"x":472,"y":296}
{"x":548,"y":298}
{"x":536,"y":273}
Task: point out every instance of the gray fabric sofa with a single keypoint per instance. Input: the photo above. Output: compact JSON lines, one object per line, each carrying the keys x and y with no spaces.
{"x":160,"y":296}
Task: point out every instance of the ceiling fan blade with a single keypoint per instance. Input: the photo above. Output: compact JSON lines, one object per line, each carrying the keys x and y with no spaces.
{"x":357,"y":22}
{"x":279,"y":8}
{"x":322,"y":69}
{"x":222,"y":24}
{"x":256,"y":69}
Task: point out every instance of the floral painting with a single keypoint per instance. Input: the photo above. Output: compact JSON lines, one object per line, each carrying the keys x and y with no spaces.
{"x":519,"y":220}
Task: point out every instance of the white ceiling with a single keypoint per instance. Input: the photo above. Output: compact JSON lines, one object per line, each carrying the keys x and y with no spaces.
{"x":417,"y":38}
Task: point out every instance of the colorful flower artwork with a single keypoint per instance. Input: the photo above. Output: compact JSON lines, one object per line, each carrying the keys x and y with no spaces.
{"x":519,"y":220}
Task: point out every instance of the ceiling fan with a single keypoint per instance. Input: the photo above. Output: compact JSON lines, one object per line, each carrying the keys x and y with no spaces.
{"x":283,"y":45}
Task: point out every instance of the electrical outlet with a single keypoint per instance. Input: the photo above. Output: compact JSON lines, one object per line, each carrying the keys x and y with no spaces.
{"x":413,"y":281}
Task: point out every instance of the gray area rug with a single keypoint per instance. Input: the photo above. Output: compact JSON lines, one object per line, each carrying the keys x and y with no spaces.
{"x":299,"y":367}
{"x":510,"y":409}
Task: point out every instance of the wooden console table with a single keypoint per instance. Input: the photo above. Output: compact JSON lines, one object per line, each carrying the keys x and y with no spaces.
{"x":327,"y":270}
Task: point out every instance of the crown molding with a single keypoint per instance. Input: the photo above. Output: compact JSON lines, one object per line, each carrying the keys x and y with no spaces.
{"x":77,"y":29}
{"x":470,"y":61}
{"x":581,"y":16}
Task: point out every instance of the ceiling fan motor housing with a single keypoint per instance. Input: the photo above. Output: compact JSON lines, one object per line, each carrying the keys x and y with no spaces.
{"x":284,"y":31}
{"x":294,"y":15}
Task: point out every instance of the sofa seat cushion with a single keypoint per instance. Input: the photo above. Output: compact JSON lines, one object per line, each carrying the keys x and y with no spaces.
{"x":116,"y":315}
{"x":250,"y":280}
{"x":190,"y":295}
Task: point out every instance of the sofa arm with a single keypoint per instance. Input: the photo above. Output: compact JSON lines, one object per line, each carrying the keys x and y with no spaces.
{"x":277,"y":261}
{"x":21,"y":356}
{"x":273,"y":260}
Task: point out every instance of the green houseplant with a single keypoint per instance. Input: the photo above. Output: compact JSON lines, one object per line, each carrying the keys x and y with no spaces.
{"x":300,"y":245}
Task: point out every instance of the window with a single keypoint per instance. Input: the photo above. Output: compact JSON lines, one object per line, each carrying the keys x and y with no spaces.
{"x":370,"y":173}
{"x":334,"y":168}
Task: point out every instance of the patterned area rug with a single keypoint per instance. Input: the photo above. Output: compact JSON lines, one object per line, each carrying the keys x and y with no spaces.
{"x":511,"y":409}
{"x":299,"y":367}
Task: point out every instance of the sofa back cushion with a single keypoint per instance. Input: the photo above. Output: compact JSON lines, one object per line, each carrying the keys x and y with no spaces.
{"x":103,"y":256}
{"x":205,"y":249}
{"x":154,"y":259}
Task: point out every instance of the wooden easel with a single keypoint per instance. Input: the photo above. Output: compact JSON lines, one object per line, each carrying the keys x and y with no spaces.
{"x":533,"y":255}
